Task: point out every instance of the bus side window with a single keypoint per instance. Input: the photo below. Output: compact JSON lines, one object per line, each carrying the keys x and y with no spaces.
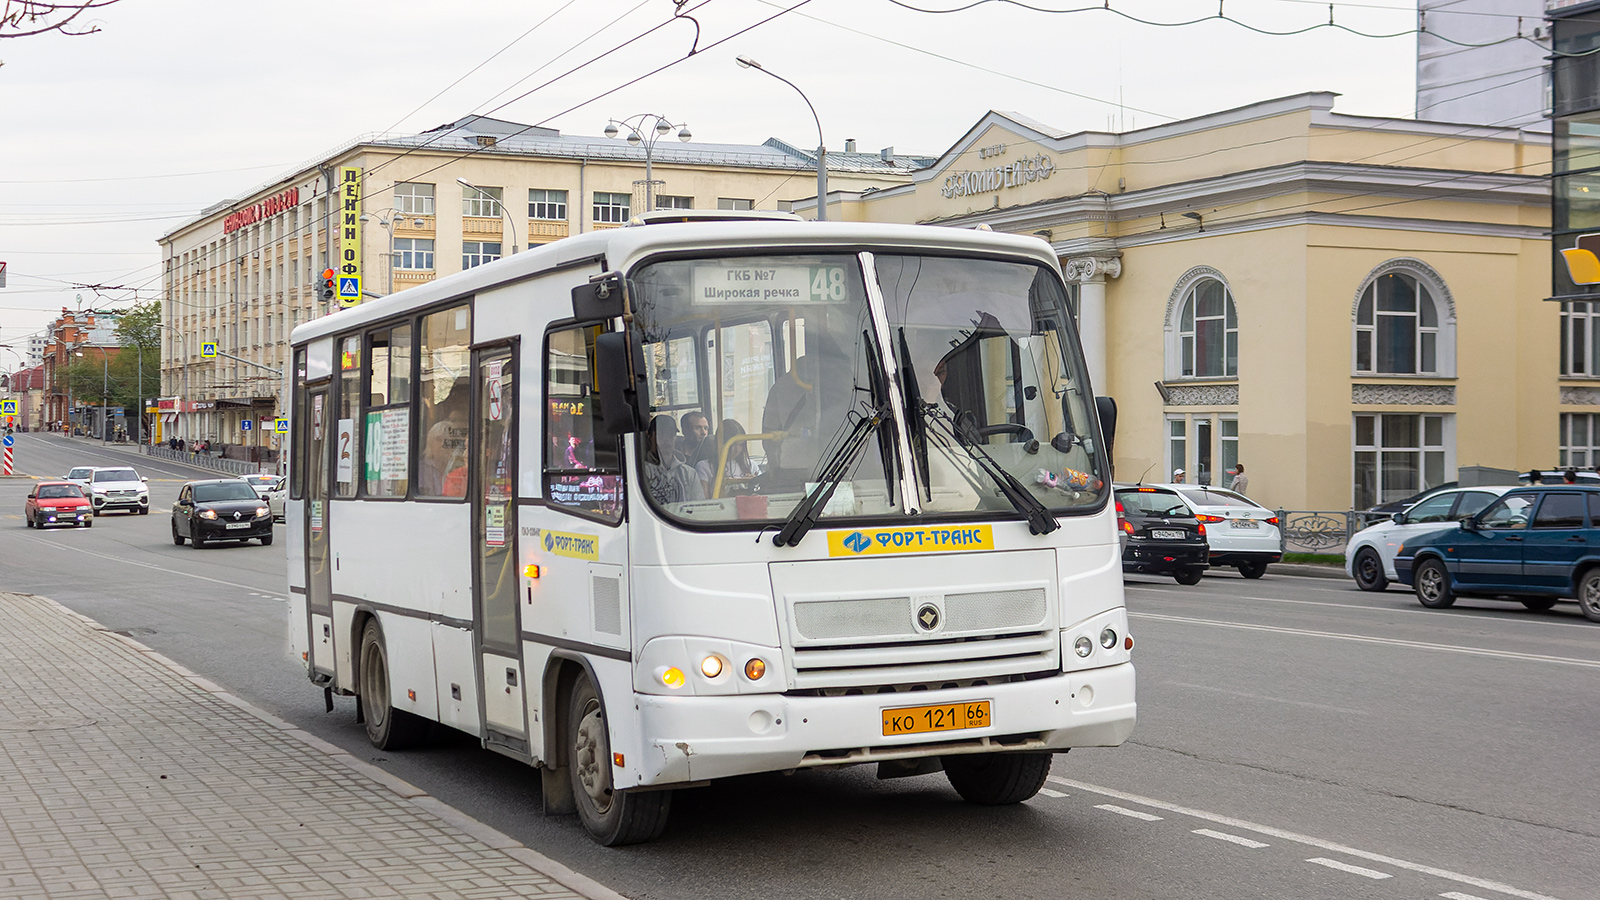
{"x":444,"y":344}
{"x":581,"y":470}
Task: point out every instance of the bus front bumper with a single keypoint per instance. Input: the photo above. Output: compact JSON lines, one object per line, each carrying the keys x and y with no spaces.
{"x":690,"y":738}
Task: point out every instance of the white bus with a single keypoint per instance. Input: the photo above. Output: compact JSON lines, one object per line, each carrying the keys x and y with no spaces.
{"x":886,"y":534}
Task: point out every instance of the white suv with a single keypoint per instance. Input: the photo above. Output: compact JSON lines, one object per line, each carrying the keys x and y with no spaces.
{"x":118,"y":487}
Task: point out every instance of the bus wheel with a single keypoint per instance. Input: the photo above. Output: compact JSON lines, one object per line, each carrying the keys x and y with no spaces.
{"x":612,"y":817}
{"x":997,"y":779}
{"x":387,"y":728}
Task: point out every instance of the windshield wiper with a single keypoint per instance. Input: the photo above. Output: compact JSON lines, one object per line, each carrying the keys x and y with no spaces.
{"x":833,"y":471}
{"x":1040,"y":519}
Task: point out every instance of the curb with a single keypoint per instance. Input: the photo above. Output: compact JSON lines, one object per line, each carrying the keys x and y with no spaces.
{"x":1306,"y":570}
{"x":575,"y":881}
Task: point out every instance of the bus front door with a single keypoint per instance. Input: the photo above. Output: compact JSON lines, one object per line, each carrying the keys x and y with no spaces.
{"x":495,"y":574}
{"x":319,"y":577}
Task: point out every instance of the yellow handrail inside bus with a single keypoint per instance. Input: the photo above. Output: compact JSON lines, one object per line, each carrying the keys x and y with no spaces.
{"x":722,"y":456}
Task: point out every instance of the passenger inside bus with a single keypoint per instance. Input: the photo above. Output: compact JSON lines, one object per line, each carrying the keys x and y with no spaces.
{"x":738,"y":471}
{"x":444,"y":452}
{"x":807,"y":406}
{"x":666,"y":477}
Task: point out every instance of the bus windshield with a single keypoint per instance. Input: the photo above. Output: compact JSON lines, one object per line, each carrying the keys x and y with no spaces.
{"x":761,"y":367}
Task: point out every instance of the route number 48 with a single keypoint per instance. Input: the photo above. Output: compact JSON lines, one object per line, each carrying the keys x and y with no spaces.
{"x":827,"y":284}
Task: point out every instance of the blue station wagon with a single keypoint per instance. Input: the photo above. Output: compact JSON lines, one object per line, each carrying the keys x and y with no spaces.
{"x":1535,"y":545}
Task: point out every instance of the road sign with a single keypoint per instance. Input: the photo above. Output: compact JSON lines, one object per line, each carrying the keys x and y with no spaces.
{"x":10,"y":439}
{"x":208,"y":349}
{"x":282,"y":425}
{"x":8,"y":407}
{"x":246,"y":425}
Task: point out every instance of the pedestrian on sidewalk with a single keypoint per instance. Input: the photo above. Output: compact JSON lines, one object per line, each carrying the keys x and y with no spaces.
{"x":1240,"y":480}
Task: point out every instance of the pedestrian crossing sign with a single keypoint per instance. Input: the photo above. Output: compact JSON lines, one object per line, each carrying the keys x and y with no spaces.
{"x":8,"y":407}
{"x":282,"y":425}
{"x":208,"y":349}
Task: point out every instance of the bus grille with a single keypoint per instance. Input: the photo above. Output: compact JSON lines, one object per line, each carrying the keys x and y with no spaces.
{"x":851,"y":643}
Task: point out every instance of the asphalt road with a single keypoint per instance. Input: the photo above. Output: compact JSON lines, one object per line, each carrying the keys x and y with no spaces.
{"x":1297,"y":739}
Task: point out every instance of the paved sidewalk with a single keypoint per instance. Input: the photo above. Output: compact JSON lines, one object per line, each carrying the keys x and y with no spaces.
{"x":122,"y":774}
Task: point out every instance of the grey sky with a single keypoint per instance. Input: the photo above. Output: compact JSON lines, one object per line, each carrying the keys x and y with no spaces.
{"x":107,"y":141}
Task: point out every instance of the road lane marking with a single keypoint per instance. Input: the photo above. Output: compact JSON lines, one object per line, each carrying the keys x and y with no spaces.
{"x":1457,"y":613}
{"x":1282,"y":834}
{"x":1203,"y":687}
{"x":1230,"y":838}
{"x":1130,"y":813}
{"x":1457,"y":895}
{"x":1367,"y":639}
{"x":1049,"y":793}
{"x":1374,"y":874}
{"x":171,"y":571}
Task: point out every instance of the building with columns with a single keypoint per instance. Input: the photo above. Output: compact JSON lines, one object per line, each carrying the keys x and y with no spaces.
{"x":1351,"y":306}
{"x":244,"y":272}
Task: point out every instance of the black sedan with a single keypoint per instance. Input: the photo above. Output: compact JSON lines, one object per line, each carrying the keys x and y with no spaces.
{"x":226,"y":509}
{"x":1162,"y":536}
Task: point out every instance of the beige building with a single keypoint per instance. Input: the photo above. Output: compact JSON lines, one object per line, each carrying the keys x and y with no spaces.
{"x":246,"y":271}
{"x":1350,"y":306}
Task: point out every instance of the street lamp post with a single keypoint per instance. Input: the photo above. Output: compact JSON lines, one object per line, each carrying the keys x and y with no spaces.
{"x":503,"y":211}
{"x":822,"y":145}
{"x":638,"y":134}
{"x":388,"y":228}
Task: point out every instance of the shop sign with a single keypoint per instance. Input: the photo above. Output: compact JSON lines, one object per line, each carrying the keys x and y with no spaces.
{"x":257,"y":211}
{"x":983,"y":181}
{"x":349,"y":273}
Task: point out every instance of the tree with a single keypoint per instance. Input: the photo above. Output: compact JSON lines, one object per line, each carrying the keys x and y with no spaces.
{"x":26,"y":18}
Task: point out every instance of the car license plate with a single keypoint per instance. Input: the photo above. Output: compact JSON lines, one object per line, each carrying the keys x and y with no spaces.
{"x":232,"y":526}
{"x":1245,"y":523}
{"x":1167,"y":534}
{"x":945,"y":717}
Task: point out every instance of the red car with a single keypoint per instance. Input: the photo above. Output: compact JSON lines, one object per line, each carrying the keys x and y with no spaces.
{"x":57,"y":503}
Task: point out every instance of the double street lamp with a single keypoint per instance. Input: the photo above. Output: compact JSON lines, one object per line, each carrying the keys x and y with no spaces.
{"x":641,"y":131}
{"x":822,"y":149}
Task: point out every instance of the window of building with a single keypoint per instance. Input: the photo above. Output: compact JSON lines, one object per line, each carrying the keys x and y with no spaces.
{"x":668,"y":201}
{"x":1204,"y":445}
{"x":480,"y":201}
{"x":413,"y":198}
{"x":1399,"y":454}
{"x":1580,"y":354}
{"x":1208,"y":332}
{"x":1580,"y":439}
{"x":611,"y":209}
{"x":1402,"y":328}
{"x":476,"y":253}
{"x":734,"y":203}
{"x":547,"y":205}
{"x":413,"y":254}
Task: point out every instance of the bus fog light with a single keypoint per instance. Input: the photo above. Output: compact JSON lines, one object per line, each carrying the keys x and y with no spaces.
{"x":1108,"y":638}
{"x":671,"y":676}
{"x":754,"y":669}
{"x":711,"y":666}
{"x":1083,"y":646}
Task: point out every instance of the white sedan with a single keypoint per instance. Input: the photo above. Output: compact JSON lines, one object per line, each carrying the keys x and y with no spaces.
{"x":1369,"y":556}
{"x":275,"y":495}
{"x":1242,"y":533}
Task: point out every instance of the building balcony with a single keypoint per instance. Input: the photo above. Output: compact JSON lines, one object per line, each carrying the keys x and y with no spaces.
{"x":479,"y":225}
{"x":414,"y":226}
{"x":543,"y":231}
{"x":409,"y":277}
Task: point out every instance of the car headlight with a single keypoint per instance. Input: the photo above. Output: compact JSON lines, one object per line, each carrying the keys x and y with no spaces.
{"x":98,"y":490}
{"x":208,"y":514}
{"x":262,"y":511}
{"x":47,"y":509}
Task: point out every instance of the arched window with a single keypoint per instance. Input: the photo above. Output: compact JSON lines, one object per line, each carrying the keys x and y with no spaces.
{"x":1208,"y":332}
{"x":1402,"y":327}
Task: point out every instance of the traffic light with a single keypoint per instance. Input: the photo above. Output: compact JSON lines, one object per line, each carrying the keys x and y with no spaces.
{"x":327,"y":284}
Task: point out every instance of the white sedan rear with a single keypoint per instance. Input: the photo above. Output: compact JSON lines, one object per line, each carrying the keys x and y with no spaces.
{"x":1242,"y":533}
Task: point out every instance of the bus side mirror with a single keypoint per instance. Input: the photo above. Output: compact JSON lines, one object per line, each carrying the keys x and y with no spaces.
{"x":1106,"y":407}
{"x":621,"y":380}
{"x":599,"y":300}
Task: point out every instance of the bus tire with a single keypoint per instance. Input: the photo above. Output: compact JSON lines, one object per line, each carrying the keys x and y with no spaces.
{"x":997,"y":779}
{"x":611,"y":817}
{"x":387,"y":728}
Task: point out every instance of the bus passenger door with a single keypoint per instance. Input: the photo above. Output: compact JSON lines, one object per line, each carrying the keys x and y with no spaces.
{"x":495,"y":575}
{"x":319,"y":577}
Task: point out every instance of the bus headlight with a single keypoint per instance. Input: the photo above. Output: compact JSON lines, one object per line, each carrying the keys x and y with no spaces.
{"x":1096,"y":642}
{"x":671,"y":676}
{"x":711,"y":666}
{"x":1083,"y":646}
{"x":754,"y":669}
{"x":704,"y":667}
{"x":1108,"y":638}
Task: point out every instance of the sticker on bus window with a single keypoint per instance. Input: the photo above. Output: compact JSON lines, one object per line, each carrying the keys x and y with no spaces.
{"x":494,"y":526}
{"x":316,"y":516}
{"x":942,"y":539}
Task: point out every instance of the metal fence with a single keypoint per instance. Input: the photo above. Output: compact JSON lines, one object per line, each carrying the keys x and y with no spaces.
{"x":1320,"y":531}
{"x":207,"y":460}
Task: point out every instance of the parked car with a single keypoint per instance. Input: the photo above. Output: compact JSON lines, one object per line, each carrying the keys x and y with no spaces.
{"x":118,"y":487}
{"x":1162,"y":536}
{"x":1534,"y":545}
{"x":221,"y":509}
{"x":1369,"y":555}
{"x":57,"y":503}
{"x":1241,"y":532}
